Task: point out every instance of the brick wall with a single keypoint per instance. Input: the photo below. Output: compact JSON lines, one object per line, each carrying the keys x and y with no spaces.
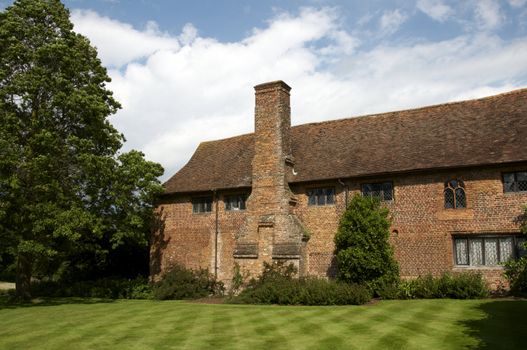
{"x":422,"y":228}
{"x":423,"y":239}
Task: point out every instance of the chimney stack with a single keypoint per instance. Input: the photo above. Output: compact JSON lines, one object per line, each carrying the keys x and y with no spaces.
{"x":271,"y":230}
{"x":272,"y":148}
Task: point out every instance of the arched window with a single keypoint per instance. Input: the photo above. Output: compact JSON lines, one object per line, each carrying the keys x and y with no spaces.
{"x":455,"y":194}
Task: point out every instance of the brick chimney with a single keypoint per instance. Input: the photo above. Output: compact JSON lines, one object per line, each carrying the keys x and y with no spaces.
{"x":271,"y":230}
{"x":272,"y":148}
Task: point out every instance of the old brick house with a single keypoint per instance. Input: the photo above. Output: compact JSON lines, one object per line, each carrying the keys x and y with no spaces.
{"x":454,"y":177}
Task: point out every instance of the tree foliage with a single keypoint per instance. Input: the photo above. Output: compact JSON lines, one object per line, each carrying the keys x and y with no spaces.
{"x":516,"y":270}
{"x":363,"y":252}
{"x":64,"y":188}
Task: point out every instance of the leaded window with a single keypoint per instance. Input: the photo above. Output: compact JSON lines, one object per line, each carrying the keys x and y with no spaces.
{"x":454,"y":193}
{"x":202,"y":204}
{"x":321,"y":196}
{"x":235,"y":202}
{"x":515,"y":182}
{"x":380,"y":190}
{"x":487,"y":250}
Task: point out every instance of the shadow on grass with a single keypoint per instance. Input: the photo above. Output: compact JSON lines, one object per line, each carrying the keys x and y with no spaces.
{"x":503,"y":326}
{"x":8,"y":303}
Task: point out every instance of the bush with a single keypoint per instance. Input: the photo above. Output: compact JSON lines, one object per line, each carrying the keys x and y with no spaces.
{"x":455,"y":286}
{"x":364,"y":254}
{"x":516,"y":270}
{"x":516,"y":273}
{"x":277,"y":285}
{"x":107,"y":288}
{"x":304,"y":291}
{"x":182,"y":283}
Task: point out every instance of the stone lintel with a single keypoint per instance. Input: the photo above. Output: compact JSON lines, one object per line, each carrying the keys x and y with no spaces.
{"x":246,"y":251}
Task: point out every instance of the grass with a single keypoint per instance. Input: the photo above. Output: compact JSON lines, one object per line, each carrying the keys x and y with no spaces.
{"x":135,"y":324}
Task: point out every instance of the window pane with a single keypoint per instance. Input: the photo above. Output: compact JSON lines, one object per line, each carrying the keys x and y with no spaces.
{"x":366,"y":190}
{"x":476,"y":252}
{"x":521,"y":178}
{"x":330,"y":196}
{"x":449,"y":198}
{"x":312,"y":197}
{"x":233,"y":203}
{"x":377,"y":190}
{"x":382,"y":191}
{"x":508,"y":182}
{"x":491,"y":251}
{"x":387,"y":190}
{"x":202,"y":205}
{"x":461,"y":202}
{"x":505,"y":249}
{"x":453,"y":183}
{"x":461,"y":252}
{"x":321,"y":196}
{"x":243,"y":199}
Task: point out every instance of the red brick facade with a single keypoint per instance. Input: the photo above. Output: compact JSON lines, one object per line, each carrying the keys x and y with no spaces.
{"x":279,"y":223}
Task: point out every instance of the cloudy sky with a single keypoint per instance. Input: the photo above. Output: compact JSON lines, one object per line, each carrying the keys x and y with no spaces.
{"x":184,"y":70}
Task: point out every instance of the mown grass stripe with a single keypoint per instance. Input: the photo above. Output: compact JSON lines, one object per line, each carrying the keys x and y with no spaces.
{"x":414,"y":324}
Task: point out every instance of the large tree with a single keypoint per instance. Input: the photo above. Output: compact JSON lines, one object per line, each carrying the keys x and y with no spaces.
{"x":64,"y":186}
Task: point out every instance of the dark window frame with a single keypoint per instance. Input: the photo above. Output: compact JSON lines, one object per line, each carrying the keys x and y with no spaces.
{"x":201,"y":204}
{"x":516,"y":251}
{"x":453,"y":190}
{"x":241,"y":202}
{"x":516,"y":186}
{"x":321,"y":196}
{"x":382,"y":192}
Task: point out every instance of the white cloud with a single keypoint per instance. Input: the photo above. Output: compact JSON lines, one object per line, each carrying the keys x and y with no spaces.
{"x":436,"y":9}
{"x":188,"y":34}
{"x":119,"y":43}
{"x":489,"y":14}
{"x":190,"y":89}
{"x":391,"y":21}
{"x":517,"y":3}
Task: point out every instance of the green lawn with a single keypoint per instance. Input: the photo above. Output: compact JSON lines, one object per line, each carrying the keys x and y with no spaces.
{"x":417,"y":324}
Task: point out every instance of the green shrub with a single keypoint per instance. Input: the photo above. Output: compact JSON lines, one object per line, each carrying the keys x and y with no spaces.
{"x":277,"y":285}
{"x":364,"y":254}
{"x":516,"y":270}
{"x":516,"y":273}
{"x":455,"y":286}
{"x":304,"y":291}
{"x":182,"y":283}
{"x":107,"y":288}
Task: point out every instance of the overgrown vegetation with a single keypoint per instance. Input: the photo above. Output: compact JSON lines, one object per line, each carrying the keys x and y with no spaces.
{"x":455,"y":286}
{"x":364,"y":254}
{"x":516,"y":273}
{"x":277,"y":285}
{"x":516,"y":270}
{"x":182,"y":283}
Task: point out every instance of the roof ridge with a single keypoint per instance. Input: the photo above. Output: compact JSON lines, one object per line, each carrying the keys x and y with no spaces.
{"x":415,"y":109}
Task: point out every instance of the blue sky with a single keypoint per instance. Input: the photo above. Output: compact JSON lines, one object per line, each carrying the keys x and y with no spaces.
{"x":184,"y":70}
{"x":231,"y":20}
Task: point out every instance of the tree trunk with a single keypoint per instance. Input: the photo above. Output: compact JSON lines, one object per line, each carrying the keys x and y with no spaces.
{"x":23,"y":277}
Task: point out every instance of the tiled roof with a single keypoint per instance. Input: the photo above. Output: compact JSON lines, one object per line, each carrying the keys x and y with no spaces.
{"x":489,"y":130}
